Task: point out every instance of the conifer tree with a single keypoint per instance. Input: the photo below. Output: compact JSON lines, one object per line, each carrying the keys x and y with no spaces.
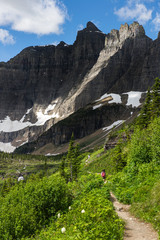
{"x":62,"y":167}
{"x":70,"y":157}
{"x":151,"y":107}
{"x":156,"y":98}
{"x":72,"y":160}
{"x":145,"y":114}
{"x":76,"y":162}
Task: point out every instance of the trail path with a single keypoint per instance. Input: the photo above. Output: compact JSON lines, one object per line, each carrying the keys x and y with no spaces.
{"x":134,"y":228}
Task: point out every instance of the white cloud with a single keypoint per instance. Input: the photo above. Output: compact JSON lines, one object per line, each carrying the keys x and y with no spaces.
{"x":156,"y":22}
{"x":5,"y":37}
{"x":137,"y":12}
{"x":55,"y":43}
{"x":80,"y":27}
{"x":139,"y":1}
{"x":33,"y":16}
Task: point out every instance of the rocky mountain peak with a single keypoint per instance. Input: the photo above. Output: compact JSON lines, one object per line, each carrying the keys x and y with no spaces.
{"x":62,"y":44}
{"x":91,"y":27}
{"x":132,"y":30}
{"x":117,"y":37}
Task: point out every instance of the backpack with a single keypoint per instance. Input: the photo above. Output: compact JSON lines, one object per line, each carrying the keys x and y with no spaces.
{"x":103,"y":174}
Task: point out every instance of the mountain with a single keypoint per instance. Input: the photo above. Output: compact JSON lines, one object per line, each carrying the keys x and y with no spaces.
{"x":50,"y":87}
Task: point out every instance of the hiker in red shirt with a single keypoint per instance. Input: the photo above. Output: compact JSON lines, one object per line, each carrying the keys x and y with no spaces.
{"x":103,"y":174}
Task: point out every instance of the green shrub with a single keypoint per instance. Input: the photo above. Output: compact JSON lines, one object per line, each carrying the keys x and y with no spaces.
{"x":155,"y":139}
{"x":85,"y":184}
{"x":29,"y":207}
{"x":140,"y":148}
{"x":93,"y":217}
{"x":148,"y":208}
{"x":138,"y":183}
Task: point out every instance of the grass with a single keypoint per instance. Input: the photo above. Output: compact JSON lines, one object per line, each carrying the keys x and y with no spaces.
{"x":13,"y":166}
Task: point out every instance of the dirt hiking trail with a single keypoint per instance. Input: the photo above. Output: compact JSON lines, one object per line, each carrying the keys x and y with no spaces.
{"x":134,"y":228}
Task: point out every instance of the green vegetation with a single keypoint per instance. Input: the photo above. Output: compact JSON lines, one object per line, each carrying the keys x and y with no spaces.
{"x":29,"y":207}
{"x":151,"y":108}
{"x":34,"y":206}
{"x":141,"y":177}
{"x":13,"y":164}
{"x":91,"y":215}
{"x":70,"y":172}
{"x":73,"y":203}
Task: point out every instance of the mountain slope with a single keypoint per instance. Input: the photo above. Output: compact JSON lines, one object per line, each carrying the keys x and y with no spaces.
{"x":43,"y":85}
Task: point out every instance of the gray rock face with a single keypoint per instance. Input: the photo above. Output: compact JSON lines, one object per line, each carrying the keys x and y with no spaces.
{"x":53,"y":82}
{"x":38,"y":75}
{"x":82,"y":123}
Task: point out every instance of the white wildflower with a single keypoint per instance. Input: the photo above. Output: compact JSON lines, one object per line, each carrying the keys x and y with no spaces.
{"x":21,"y":178}
{"x":69,"y":208}
{"x":63,"y":229}
{"x":59,"y":215}
{"x":83,"y":211}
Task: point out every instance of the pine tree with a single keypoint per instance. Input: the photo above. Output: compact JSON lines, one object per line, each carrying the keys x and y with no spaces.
{"x":62,"y":167}
{"x":151,"y":107}
{"x":72,"y":160}
{"x":76,"y":162}
{"x":70,"y":157}
{"x":145,"y":114}
{"x":156,"y":98}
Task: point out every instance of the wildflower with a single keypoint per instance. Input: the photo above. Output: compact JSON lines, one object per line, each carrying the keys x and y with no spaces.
{"x":21,"y":178}
{"x":69,"y":207}
{"x":83,"y":211}
{"x":63,"y":229}
{"x":59,"y":215}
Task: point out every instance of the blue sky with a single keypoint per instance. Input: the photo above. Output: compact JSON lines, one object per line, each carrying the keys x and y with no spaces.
{"x":26,"y":23}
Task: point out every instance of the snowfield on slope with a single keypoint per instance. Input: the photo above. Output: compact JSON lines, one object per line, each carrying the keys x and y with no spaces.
{"x":133,"y":99}
{"x":7,"y":125}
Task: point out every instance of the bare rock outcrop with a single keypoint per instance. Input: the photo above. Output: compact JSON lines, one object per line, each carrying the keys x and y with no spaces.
{"x":52,"y":82}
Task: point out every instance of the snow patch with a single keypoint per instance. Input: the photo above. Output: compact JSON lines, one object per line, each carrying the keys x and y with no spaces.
{"x":7,"y":125}
{"x":97,"y":106}
{"x":42,"y":117}
{"x":49,"y":108}
{"x":116,"y":97}
{"x":52,"y":154}
{"x":134,"y":98}
{"x":115,"y":124}
{"x":28,"y":111}
{"x":7,"y":147}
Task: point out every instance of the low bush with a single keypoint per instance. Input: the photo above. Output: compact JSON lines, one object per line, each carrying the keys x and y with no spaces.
{"x":92,"y":217}
{"x":29,"y":207}
{"x":148,"y":208}
{"x":85,"y":184}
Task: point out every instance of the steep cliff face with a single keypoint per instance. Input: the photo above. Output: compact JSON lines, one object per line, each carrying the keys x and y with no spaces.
{"x":39,"y":75}
{"x":82,"y":123}
{"x":119,"y":66}
{"x":43,"y":85}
